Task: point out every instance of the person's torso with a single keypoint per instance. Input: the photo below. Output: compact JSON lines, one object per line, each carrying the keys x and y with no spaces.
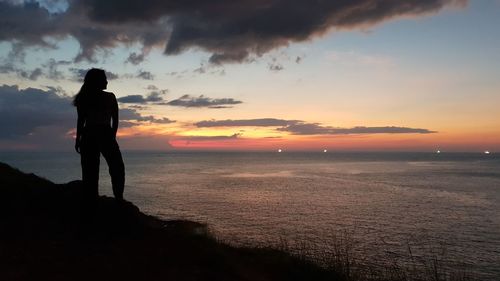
{"x":98,"y":114}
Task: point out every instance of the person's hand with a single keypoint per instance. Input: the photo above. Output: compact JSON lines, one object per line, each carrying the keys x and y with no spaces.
{"x":77,"y":146}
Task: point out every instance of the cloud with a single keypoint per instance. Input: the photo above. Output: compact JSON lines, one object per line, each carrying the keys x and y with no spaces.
{"x":44,"y":118}
{"x":202,"y":101}
{"x":30,"y":23}
{"x":111,"y":75}
{"x":137,"y":107}
{"x":317,"y":129}
{"x":132,"y":99}
{"x":31,"y":75}
{"x":189,"y":139}
{"x":52,"y":69}
{"x":211,"y":138}
{"x":263,"y":122}
{"x":204,"y":68}
{"x":23,"y":111}
{"x":232,"y":31}
{"x":156,"y":96}
{"x":298,"y":127}
{"x":7,"y":68}
{"x":152,"y":119}
{"x":135,"y":58}
{"x":146,"y":75}
{"x":275,"y":66}
{"x":152,"y":97}
{"x":23,"y":73}
{"x":79,"y":74}
{"x":131,"y":114}
{"x":130,"y":117}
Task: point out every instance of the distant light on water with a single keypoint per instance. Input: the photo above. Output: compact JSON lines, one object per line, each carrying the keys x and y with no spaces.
{"x":279,"y":150}
{"x":486,"y":152}
{"x":324,"y":150}
{"x":438,"y":151}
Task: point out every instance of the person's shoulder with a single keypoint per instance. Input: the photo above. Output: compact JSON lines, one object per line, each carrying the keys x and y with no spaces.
{"x":109,"y":94}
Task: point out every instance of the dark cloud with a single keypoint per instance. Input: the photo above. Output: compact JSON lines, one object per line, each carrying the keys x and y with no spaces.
{"x":23,"y":73}
{"x":31,"y":75}
{"x":132,"y":99}
{"x":317,"y":129}
{"x":152,"y":119}
{"x":44,"y":118}
{"x":135,"y":58}
{"x":298,"y":127}
{"x":79,"y":74}
{"x":138,"y":107}
{"x":24,"y":111}
{"x":275,"y":66}
{"x":263,"y":122}
{"x":52,"y":69}
{"x":152,"y":97}
{"x":233,"y":31}
{"x":49,"y":70}
{"x":227,"y":56}
{"x":7,"y":68}
{"x":211,"y":138}
{"x":29,"y":23}
{"x":209,"y":69}
{"x":58,"y":90}
{"x":111,"y":75}
{"x":156,"y":96}
{"x":131,"y":116}
{"x":202,"y":101}
{"x":146,"y":75}
{"x":17,"y":52}
{"x":181,"y":74}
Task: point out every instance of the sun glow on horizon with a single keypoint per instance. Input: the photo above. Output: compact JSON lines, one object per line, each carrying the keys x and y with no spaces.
{"x":401,"y":86}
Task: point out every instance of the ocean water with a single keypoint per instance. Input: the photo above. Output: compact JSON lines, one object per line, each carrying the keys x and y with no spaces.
{"x":444,"y":205}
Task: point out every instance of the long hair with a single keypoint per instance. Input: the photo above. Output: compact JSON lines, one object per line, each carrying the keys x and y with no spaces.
{"x":94,"y":81}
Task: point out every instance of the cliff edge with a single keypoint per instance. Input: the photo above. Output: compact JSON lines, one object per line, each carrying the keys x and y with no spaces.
{"x":48,"y":232}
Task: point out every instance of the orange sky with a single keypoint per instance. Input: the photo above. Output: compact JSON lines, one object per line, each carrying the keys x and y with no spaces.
{"x":433,"y":76}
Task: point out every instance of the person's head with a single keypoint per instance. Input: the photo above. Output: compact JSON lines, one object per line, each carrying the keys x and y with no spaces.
{"x":95,"y":80}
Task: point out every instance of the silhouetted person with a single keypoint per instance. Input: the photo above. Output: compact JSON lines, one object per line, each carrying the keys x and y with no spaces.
{"x":96,"y":134}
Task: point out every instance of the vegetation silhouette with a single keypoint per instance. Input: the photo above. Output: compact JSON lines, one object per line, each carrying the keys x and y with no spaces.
{"x":96,"y":129}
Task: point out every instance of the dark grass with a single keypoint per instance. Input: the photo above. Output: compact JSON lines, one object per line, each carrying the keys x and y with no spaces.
{"x":47,"y":232}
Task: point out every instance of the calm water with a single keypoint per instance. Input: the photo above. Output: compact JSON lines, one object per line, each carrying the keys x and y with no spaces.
{"x":386,"y":201}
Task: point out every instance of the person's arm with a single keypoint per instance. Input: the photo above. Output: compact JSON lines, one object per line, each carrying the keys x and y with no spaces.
{"x":79,"y":128}
{"x":114,"y":116}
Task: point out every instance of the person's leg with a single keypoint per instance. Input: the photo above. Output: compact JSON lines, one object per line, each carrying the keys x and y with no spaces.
{"x":113,"y":156}
{"x":90,"y":157}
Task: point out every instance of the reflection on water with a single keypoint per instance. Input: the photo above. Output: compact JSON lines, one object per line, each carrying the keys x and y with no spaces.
{"x":287,"y":174}
{"x":386,"y":200}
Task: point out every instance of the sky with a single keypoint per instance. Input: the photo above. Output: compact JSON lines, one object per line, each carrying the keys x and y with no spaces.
{"x":358,"y":75}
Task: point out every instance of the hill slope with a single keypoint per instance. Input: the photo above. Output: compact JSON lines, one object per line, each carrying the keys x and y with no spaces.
{"x":48,"y":232}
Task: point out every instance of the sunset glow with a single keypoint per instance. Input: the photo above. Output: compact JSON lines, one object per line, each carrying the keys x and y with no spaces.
{"x":406,"y":80}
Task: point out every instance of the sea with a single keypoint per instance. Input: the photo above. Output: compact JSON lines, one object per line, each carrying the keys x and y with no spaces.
{"x":384,"y":207}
